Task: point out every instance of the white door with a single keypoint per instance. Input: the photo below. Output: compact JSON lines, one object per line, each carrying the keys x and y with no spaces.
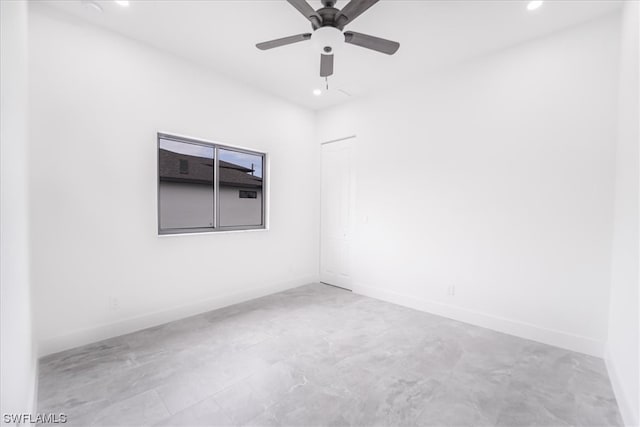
{"x":336,"y":224}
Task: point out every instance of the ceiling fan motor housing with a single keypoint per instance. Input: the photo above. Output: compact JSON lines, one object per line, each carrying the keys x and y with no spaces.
{"x":327,"y":40}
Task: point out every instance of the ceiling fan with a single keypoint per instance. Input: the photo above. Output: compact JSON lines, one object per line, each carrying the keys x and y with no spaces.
{"x":328,"y":31}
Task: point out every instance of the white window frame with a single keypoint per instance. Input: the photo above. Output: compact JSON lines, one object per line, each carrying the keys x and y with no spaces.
{"x":216,"y":228}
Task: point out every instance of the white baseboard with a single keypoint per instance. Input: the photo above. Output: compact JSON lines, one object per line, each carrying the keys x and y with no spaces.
{"x":624,"y":404}
{"x":132,"y":324}
{"x":508,"y":326}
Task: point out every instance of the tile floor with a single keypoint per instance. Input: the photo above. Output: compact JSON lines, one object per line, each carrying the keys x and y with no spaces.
{"x":320,"y":356}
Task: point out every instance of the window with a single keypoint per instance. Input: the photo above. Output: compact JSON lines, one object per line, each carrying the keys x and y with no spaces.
{"x":239,"y":171}
{"x":185,"y":195}
{"x":184,"y":166}
{"x":208,"y":187}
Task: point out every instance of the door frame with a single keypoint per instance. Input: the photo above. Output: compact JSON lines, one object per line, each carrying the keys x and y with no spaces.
{"x":352,"y":205}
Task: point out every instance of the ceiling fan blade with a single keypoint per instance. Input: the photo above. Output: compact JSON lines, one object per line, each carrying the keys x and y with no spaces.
{"x":305,"y":9}
{"x":326,"y":65}
{"x":283,"y":41}
{"x":352,"y":10}
{"x":371,"y":42}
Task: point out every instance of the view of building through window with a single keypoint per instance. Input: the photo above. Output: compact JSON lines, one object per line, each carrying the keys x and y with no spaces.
{"x":196,"y":193}
{"x":240,"y":173}
{"x":185,"y":196}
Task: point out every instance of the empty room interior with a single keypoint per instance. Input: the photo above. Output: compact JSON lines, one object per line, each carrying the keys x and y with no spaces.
{"x":320,"y":213}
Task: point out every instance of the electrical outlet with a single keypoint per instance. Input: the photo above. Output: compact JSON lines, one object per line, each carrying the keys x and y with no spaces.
{"x":451,"y":290}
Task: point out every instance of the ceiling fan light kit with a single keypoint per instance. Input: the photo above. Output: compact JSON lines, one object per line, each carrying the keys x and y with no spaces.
{"x":327,"y":40}
{"x":328,"y":31}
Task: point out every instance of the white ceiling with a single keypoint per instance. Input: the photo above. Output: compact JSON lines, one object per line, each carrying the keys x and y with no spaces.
{"x":221,"y":35}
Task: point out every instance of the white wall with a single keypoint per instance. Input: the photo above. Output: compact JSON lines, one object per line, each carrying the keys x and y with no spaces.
{"x":623,"y":356}
{"x":235,"y":211}
{"x":495,"y":177}
{"x":184,"y":205}
{"x":97,"y":101}
{"x":192,"y":204}
{"x":17,"y":351}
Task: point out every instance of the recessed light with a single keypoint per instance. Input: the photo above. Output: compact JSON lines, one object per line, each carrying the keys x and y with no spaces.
{"x":535,"y":4}
{"x":123,"y":3}
{"x":317,"y":92}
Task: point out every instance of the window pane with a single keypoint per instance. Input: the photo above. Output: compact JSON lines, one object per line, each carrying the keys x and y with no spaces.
{"x":240,"y":188}
{"x":186,"y":185}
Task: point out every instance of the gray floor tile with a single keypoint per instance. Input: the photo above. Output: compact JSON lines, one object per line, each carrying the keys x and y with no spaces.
{"x":144,"y":409}
{"x":204,"y":413}
{"x":242,"y":403}
{"x":321,"y":356}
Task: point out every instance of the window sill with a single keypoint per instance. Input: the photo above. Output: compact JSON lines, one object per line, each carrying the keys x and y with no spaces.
{"x":200,"y":233}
